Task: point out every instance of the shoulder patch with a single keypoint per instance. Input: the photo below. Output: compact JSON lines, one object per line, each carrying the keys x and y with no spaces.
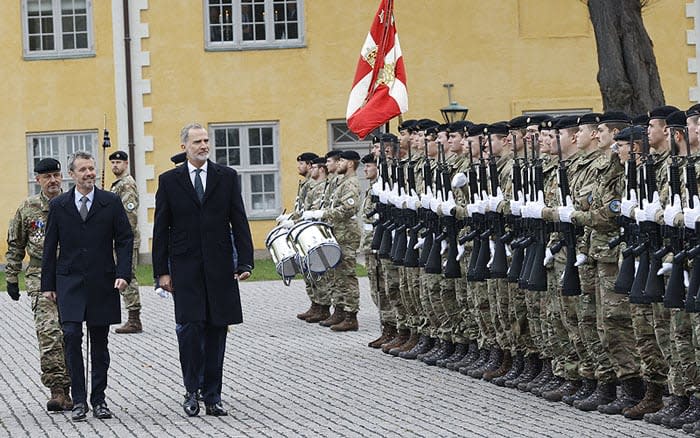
{"x":351,"y":201}
{"x":590,"y":198}
{"x":130,"y":206}
{"x":614,"y":206}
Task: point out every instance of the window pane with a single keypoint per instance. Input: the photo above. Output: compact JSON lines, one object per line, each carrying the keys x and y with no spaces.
{"x":220,"y":137}
{"x":34,"y":43}
{"x":269,"y":200}
{"x":80,"y":23}
{"x":268,"y":155}
{"x":254,"y":136}
{"x":220,"y":156}
{"x":266,"y":136}
{"x":81,"y":41}
{"x":269,"y":182}
{"x":68,"y":42}
{"x":256,"y":183}
{"x":254,"y":156}
{"x":47,"y":42}
{"x":234,"y":157}
{"x":233,"y":137}
{"x":67,"y":24}
{"x":292,"y":31}
{"x":257,"y":201}
{"x":47,"y":25}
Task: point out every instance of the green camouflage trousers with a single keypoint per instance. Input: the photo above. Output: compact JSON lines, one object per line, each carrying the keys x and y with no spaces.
{"x":695,"y":324}
{"x":654,"y":367}
{"x":430,"y":298}
{"x":345,"y":290}
{"x":48,"y":332}
{"x":132,"y":299}
{"x":497,"y":289}
{"x":662,"y":327}
{"x":451,"y":309}
{"x":413,"y":280}
{"x":517,"y":309}
{"x":377,"y":288}
{"x":468,"y":328}
{"x":615,"y":323}
{"x":564,"y":359}
{"x":412,"y":315}
{"x":390,"y":272}
{"x":532,"y":302}
{"x":682,"y":338}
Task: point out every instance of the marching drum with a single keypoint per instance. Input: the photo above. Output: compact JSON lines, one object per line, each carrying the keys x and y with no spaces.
{"x":317,"y":248}
{"x":283,"y":254}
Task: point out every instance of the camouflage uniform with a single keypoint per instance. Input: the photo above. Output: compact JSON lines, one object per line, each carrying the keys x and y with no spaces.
{"x":341,"y":214}
{"x":373,"y":264}
{"x":613,"y":312}
{"x":125,"y":188}
{"x":413,"y":274}
{"x":26,"y":234}
{"x":319,"y":290}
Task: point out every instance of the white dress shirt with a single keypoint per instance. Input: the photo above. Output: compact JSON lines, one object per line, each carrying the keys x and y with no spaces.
{"x":202,"y":175}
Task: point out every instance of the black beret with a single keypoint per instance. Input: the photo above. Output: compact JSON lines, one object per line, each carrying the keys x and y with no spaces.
{"x":661,"y":112}
{"x":389,"y":138}
{"x":631,"y":133}
{"x":375,"y":139}
{"x":497,"y":128}
{"x":179,"y":158}
{"x":47,"y":165}
{"x":550,"y":123}
{"x":566,"y":122}
{"x":119,"y":155}
{"x":407,"y":125}
{"x":477,"y":129}
{"x":434,"y":129}
{"x":589,"y":119}
{"x":615,"y":117}
{"x":693,"y":110}
{"x":459,"y":126}
{"x":307,"y":156}
{"x":350,"y":155}
{"x":538,"y":119}
{"x":423,"y":124}
{"x":333,"y":154}
{"x":640,"y":120}
{"x":319,"y":160}
{"x":369,"y":158}
{"x":519,"y":122}
{"x":677,"y":119}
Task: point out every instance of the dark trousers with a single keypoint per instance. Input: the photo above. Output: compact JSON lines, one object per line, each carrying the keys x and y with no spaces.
{"x":202,"y":347}
{"x":99,"y":361}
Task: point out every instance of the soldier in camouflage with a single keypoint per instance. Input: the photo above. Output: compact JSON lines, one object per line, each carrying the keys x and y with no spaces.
{"x":124,"y":186}
{"x":25,"y":235}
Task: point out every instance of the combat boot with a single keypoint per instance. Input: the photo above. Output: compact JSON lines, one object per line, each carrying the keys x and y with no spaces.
{"x":586,"y":389}
{"x":446,"y":351}
{"x":132,"y":325}
{"x":516,"y":368}
{"x":57,"y":400}
{"x":689,"y":416}
{"x":469,"y":357}
{"x":506,"y":363}
{"x":68,"y":404}
{"x":552,"y":384}
{"x":349,"y":324}
{"x":313,"y":309}
{"x":603,"y":394}
{"x":400,"y":339}
{"x":532,"y":367}
{"x":652,"y":402}
{"x":631,"y":394}
{"x":677,"y":404}
{"x":459,"y":352}
{"x":388,"y":332}
{"x":437,"y":345}
{"x":691,"y":427}
{"x":480,"y":361}
{"x":495,"y":358}
{"x":544,"y":374}
{"x":406,"y":346}
{"x":337,"y":317}
{"x":425,"y":343}
{"x":323,"y":313}
{"x":568,"y":388}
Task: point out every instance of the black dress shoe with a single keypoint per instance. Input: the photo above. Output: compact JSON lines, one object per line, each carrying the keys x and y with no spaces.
{"x":79,"y":412}
{"x":191,"y":405}
{"x":101,"y":411}
{"x":216,"y":410}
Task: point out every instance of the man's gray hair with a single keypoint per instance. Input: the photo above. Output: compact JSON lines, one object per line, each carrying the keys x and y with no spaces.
{"x":185,"y":132}
{"x":84,"y":155}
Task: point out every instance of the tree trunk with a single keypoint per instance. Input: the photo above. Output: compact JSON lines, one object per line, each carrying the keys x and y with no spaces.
{"x":627,"y":73}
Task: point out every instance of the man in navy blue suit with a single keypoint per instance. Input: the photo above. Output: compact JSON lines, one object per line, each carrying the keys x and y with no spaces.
{"x":198,"y":208}
{"x":85,"y":228}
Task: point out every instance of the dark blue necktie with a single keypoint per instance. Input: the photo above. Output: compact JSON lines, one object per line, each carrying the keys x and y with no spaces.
{"x":198,"y":187}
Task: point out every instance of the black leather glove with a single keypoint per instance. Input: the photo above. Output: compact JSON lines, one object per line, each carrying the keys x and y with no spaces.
{"x":13,"y":290}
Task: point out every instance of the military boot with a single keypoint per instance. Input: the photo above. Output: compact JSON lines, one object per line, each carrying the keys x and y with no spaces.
{"x":506,"y":363}
{"x":322,"y":313}
{"x":57,"y":401}
{"x":459,"y":352}
{"x":631,"y":394}
{"x":568,"y":388}
{"x":603,"y":394}
{"x":494,"y":362}
{"x":689,"y":416}
{"x":425,"y":343}
{"x":691,"y":427}
{"x":516,"y":368}
{"x":446,"y":351}
{"x":586,"y":389}
{"x":68,"y":404}
{"x":132,"y":325}
{"x":652,"y":402}
{"x":480,"y":361}
{"x":544,"y":374}
{"x":388,"y":332}
{"x":336,"y":318}
{"x":469,"y":357}
{"x":349,"y":324}
{"x":400,"y":339}
{"x":532,"y":367}
{"x":550,"y":385}
{"x":313,"y":309}
{"x":437,"y":345}
{"x":406,"y":346}
{"x":676,"y":405}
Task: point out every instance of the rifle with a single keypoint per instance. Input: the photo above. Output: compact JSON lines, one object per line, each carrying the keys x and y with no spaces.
{"x":398,"y":247}
{"x":411,"y":255}
{"x":381,"y":209}
{"x":499,"y":266}
{"x":534,"y":271}
{"x":425,"y":213}
{"x":433,"y":264}
{"x":475,"y":222}
{"x":477,"y":264}
{"x":392,"y":217}
{"x":516,"y":222}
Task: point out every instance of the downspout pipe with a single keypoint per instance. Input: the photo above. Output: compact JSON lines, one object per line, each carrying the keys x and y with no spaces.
{"x":129,"y":103}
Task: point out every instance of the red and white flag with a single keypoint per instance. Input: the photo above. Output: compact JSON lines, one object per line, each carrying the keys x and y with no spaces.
{"x":379,"y":89}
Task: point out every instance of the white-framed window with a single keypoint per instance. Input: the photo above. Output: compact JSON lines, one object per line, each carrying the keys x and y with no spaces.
{"x":60,"y":146}
{"x":341,"y":138}
{"x":57,"y":29}
{"x":253,"y":150}
{"x":253,"y":24}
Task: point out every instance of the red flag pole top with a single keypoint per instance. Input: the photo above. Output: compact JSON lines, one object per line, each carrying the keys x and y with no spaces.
{"x":379,"y":88}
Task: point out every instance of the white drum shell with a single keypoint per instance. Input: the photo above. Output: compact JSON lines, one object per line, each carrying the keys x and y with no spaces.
{"x":316,"y":245}
{"x":283,"y":254}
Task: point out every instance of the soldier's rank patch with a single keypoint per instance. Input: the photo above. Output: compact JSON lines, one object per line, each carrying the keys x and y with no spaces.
{"x":351,"y":201}
{"x":130,"y":206}
{"x":614,"y":206}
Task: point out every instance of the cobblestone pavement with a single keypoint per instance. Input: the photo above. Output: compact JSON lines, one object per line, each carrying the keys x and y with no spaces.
{"x":283,"y":377}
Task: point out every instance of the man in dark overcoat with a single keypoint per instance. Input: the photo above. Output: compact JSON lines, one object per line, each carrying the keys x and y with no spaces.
{"x":198,"y":209}
{"x":86,"y":227}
